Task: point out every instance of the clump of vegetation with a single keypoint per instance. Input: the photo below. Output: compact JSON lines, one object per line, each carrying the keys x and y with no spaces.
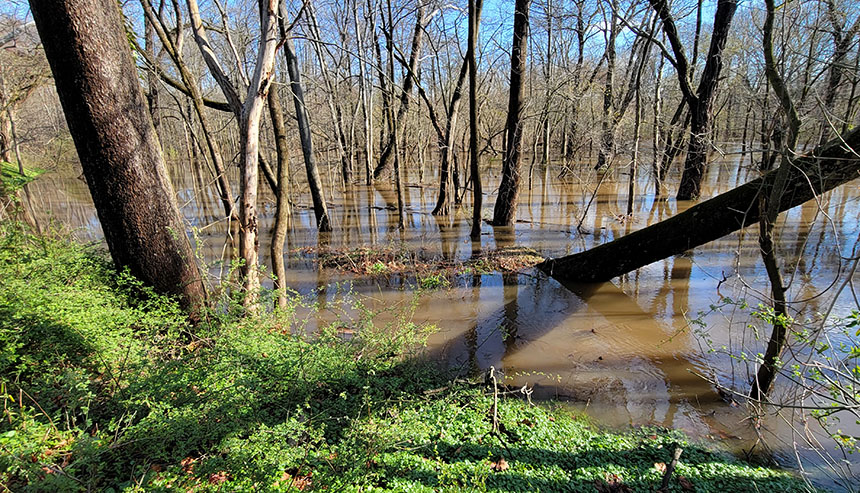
{"x":13,"y":180}
{"x":383,"y":260}
{"x":106,"y":387}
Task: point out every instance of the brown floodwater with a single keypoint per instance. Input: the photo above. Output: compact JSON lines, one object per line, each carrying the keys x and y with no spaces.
{"x":642,"y":349}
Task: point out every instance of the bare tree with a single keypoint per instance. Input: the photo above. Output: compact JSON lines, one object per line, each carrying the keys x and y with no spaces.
{"x":314,"y":181}
{"x":249,"y":112}
{"x":700,"y":101}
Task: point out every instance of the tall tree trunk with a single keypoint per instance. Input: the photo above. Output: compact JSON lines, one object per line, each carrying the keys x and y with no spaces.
{"x":548,"y":94}
{"x":173,"y":49}
{"x":701,"y":104}
{"x":365,"y":96}
{"x":447,"y":144}
{"x":505,"y":211}
{"x":393,"y":123}
{"x":252,"y":109}
{"x":248,"y":112}
{"x":607,"y":134}
{"x":634,"y":164}
{"x":657,"y":111}
{"x":314,"y":181}
{"x":96,"y":80}
{"x":474,"y":157}
{"x":331,"y":95}
{"x":842,"y":40}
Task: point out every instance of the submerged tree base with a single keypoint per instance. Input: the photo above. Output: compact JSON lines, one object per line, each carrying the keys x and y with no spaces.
{"x":107,"y":388}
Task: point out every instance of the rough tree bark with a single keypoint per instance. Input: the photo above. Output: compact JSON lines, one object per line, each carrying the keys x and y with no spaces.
{"x":824,"y":169}
{"x":505,"y":211}
{"x":105,"y":109}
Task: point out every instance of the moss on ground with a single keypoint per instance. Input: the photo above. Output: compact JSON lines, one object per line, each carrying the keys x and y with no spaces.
{"x":106,"y":388}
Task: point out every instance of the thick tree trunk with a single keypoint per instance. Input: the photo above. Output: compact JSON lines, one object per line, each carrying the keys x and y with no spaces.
{"x":97,"y":83}
{"x":824,"y":169}
{"x":505,"y":211}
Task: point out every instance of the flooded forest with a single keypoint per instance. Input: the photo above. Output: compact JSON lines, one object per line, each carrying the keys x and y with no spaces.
{"x":642,"y":211}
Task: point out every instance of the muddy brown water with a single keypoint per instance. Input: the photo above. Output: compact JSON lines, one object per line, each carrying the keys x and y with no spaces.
{"x":639,"y":350}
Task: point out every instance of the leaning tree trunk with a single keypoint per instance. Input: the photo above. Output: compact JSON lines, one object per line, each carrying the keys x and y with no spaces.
{"x":446,"y":144}
{"x":97,"y":83}
{"x":505,"y":211}
{"x":824,"y":169}
{"x":190,"y":85}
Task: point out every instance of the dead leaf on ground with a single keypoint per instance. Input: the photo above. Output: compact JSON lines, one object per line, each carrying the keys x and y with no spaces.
{"x":188,"y":464}
{"x":612,"y":484}
{"x":527,"y":422}
{"x":299,"y":481}
{"x":500,"y":466}
{"x":218,"y":477}
{"x":686,"y":484}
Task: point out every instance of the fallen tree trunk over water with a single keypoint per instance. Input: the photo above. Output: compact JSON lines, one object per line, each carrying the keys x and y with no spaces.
{"x":826,"y":168}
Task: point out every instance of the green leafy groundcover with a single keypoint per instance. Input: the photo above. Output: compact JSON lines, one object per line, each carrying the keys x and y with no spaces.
{"x":106,"y":388}
{"x":13,"y":180}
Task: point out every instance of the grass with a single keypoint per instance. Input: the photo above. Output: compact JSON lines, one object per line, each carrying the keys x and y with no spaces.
{"x":106,"y":388}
